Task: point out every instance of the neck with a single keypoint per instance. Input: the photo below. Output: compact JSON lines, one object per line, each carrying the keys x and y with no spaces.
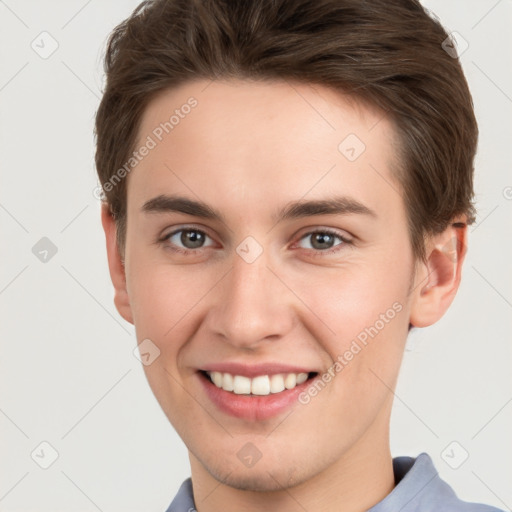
{"x":357,"y":481}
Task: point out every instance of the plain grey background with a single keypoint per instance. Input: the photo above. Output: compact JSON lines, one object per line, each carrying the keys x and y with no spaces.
{"x":68,"y":376}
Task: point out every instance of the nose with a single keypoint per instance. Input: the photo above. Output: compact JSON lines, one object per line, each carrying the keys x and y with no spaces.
{"x":252,"y":305}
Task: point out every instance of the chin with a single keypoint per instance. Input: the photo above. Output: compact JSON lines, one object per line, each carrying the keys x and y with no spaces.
{"x":263,"y":477}
{"x":246,"y":480}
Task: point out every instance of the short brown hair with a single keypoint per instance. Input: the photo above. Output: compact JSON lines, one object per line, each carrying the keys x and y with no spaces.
{"x":388,"y":53}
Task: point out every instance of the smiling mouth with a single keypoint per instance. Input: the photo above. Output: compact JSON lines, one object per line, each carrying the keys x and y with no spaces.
{"x":260,"y":385}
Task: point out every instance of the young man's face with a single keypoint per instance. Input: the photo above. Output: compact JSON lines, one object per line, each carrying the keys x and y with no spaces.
{"x":266,"y":289}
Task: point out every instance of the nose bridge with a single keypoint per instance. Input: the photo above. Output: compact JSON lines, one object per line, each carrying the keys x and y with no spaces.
{"x":251,"y":306}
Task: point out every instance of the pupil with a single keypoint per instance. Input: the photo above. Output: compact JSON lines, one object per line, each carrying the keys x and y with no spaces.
{"x":322,"y":238}
{"x":192,"y":239}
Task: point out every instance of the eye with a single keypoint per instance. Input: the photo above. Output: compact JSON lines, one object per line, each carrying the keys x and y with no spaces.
{"x":323,"y":240}
{"x":187,"y":239}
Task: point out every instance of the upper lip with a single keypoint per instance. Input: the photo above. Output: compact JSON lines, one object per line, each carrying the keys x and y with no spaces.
{"x":254,"y":370}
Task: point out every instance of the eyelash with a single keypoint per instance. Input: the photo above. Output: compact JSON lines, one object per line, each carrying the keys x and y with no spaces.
{"x":325,"y":231}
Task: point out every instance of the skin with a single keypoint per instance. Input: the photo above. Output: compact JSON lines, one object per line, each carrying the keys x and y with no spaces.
{"x":248,"y":149}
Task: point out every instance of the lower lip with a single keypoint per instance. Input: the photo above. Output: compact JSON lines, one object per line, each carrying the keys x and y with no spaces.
{"x":252,"y":407}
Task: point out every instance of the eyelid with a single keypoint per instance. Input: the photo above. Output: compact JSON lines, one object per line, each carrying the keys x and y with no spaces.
{"x":342,"y":234}
{"x":182,"y":227}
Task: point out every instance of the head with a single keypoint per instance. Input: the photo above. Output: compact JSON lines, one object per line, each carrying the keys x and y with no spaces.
{"x":285,"y":183}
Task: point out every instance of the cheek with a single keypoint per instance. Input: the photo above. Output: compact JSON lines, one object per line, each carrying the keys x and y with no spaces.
{"x":351,"y":299}
{"x":163,"y":300}
{"x":163,"y":297}
{"x":366,"y":311}
{"x":361,"y":305}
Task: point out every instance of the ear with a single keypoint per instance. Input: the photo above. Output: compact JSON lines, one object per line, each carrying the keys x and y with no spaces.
{"x":116,"y":265}
{"x":437,"y":279}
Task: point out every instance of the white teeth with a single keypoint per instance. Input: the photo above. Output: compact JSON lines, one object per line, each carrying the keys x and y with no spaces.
{"x":290,"y":381}
{"x":302,"y":377}
{"x":217,"y":378}
{"x":261,"y":385}
{"x":227,"y":382}
{"x":241,"y":385}
{"x":276,"y":383}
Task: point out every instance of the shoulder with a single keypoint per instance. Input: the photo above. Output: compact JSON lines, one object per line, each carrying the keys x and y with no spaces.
{"x":419,"y":488}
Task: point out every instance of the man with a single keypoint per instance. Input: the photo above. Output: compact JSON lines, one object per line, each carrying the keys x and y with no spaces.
{"x":287,"y":189}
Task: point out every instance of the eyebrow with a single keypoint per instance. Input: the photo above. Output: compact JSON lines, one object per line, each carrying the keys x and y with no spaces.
{"x":338,"y":205}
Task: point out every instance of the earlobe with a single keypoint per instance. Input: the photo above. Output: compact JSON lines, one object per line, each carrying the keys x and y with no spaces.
{"x":437,"y":279}
{"x":116,"y":265}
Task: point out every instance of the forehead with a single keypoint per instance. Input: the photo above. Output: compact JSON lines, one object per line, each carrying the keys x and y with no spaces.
{"x":263,"y":142}
{"x":265,"y":108}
